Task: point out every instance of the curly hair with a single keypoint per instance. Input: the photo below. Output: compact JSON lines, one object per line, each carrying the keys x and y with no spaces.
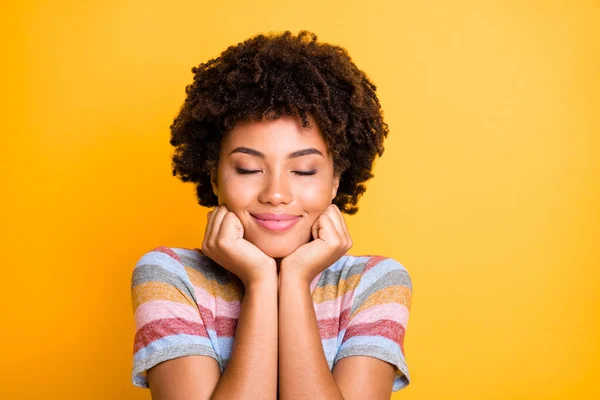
{"x":273,"y":74}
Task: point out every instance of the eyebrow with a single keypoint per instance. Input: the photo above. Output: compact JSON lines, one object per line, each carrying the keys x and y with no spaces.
{"x":295,"y":154}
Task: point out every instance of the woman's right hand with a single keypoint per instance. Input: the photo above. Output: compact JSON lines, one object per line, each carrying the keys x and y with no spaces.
{"x":224,"y":243}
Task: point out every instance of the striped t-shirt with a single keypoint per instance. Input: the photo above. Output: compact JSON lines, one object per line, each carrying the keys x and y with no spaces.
{"x":186,"y":304}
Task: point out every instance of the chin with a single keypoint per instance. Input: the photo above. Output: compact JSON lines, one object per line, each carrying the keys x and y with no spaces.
{"x":278,"y":246}
{"x":277,"y":251}
{"x":275,"y":248}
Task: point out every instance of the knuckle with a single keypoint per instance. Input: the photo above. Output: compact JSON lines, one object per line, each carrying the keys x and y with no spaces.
{"x":336,"y":243}
{"x":223,"y":242}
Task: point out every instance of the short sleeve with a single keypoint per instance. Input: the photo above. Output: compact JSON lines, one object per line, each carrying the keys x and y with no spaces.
{"x":379,"y":317}
{"x":168,"y":323}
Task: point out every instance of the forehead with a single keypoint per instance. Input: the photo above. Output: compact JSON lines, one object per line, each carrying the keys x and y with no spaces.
{"x":279,"y":136}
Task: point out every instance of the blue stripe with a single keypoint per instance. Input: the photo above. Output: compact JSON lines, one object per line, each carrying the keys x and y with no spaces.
{"x":166,"y":262}
{"x":170,"y":341}
{"x":375,"y":273}
{"x":373,"y":340}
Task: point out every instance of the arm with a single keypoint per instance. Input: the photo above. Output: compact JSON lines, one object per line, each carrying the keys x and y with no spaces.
{"x":370,"y":360}
{"x":251,"y":372}
{"x":366,"y":370}
{"x":184,"y":378}
{"x":373,"y":339}
{"x":252,"y":369}
{"x":303,"y":369}
{"x":171,"y":343}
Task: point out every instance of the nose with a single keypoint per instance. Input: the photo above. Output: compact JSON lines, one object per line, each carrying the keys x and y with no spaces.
{"x":276,"y":189}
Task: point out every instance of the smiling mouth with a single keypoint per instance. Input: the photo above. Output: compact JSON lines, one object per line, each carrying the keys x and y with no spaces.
{"x":276,"y":226}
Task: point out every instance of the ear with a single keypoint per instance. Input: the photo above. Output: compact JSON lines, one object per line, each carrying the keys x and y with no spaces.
{"x":214,"y":181}
{"x":336,"y":184}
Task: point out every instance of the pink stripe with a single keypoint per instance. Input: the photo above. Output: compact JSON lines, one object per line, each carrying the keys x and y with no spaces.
{"x":390,"y":311}
{"x":163,"y":309}
{"x":160,"y":328}
{"x":225,"y":327}
{"x":207,"y":317}
{"x":331,"y":308}
{"x":385,"y":328}
{"x":229,"y":309}
{"x":328,"y":328}
{"x":373,"y":261}
{"x":169,"y":251}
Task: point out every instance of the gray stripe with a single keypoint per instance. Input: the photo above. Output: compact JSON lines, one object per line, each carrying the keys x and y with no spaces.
{"x":396,"y":277}
{"x":155,"y":273}
{"x":330,"y":277}
{"x":205,"y":265}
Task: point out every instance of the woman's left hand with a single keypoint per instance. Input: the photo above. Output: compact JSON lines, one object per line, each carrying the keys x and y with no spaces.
{"x":331,"y":241}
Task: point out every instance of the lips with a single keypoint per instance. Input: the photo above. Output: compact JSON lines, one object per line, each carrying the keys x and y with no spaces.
{"x":276,"y":222}
{"x":275,"y":217}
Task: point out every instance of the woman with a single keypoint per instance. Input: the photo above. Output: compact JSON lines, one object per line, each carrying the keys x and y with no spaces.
{"x":279,"y":133}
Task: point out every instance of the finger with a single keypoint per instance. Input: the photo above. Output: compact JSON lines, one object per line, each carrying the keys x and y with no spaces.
{"x":217,"y":221}
{"x":314,"y":229}
{"x":231,"y":227}
{"x":210,"y":217}
{"x":327,"y":232}
{"x":345,"y":226}
{"x":339,"y":212}
{"x":336,"y":219}
{"x":209,"y":224}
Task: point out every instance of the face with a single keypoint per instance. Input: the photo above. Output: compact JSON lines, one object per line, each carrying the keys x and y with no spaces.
{"x":277,"y":177}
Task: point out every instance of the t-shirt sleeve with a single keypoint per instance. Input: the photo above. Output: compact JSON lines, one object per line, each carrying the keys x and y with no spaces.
{"x":168,"y":323}
{"x":379,"y":317}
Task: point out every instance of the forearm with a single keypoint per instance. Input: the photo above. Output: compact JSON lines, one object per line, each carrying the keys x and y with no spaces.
{"x":303,"y":369}
{"x":251,"y":372}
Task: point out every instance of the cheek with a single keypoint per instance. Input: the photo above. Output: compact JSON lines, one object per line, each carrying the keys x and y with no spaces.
{"x":315,"y":198}
{"x":236,"y":194}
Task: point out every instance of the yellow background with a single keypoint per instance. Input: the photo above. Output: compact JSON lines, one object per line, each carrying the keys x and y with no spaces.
{"x":488,"y":191}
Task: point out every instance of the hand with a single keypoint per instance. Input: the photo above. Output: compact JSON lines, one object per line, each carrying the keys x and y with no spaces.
{"x":331,"y":241}
{"x":225,"y":244}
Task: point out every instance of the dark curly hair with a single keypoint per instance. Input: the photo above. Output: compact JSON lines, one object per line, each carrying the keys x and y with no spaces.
{"x":273,"y":74}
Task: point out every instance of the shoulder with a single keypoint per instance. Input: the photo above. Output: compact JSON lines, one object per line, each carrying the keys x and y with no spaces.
{"x":185,"y":264}
{"x":383,"y":280}
{"x":372,"y":268}
{"x":362,"y":274}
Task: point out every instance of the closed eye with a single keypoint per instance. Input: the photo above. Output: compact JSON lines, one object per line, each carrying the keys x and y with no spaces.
{"x":246,"y":171}
{"x":304,"y":173}
{"x":250,"y":171}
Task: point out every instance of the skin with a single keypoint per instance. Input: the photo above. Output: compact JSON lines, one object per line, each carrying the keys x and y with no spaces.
{"x":279,"y":184}
{"x":276,"y":270}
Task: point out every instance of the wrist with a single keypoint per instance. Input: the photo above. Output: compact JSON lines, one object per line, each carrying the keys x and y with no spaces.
{"x":262,"y":284}
{"x":266,"y":277}
{"x":292,"y":276}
